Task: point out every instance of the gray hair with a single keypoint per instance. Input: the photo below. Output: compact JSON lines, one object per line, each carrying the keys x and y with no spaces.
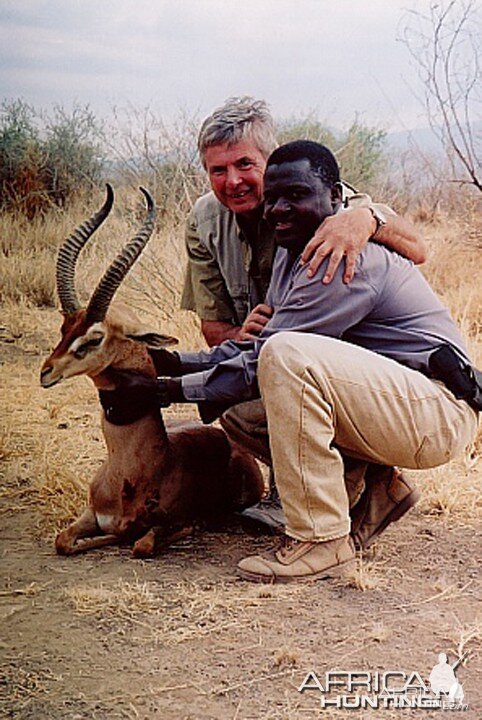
{"x":240,"y":118}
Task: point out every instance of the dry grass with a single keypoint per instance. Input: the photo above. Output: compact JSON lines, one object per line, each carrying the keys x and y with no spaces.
{"x":286,"y":658}
{"x":466,"y":639}
{"x":371,"y":574}
{"x":27,"y":254}
{"x":173,"y":612}
{"x":453,"y":269}
{"x":28,"y":685}
{"x":377,"y":632}
{"x":123,"y":600}
{"x":452,"y":490}
{"x":47,"y":466}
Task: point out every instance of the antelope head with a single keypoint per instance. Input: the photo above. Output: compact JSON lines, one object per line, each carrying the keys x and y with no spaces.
{"x":96,"y":337}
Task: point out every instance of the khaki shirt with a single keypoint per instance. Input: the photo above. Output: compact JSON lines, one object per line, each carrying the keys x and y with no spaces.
{"x":226,"y":275}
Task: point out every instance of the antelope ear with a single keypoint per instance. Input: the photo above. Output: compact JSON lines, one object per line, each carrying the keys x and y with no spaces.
{"x":154,"y":339}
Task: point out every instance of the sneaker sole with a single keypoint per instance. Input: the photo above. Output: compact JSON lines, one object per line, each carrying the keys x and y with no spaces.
{"x":398,"y":511}
{"x":336,"y":571}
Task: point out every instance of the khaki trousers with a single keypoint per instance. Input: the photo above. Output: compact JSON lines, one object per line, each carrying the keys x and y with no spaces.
{"x":246,"y":424}
{"x":323,"y":395}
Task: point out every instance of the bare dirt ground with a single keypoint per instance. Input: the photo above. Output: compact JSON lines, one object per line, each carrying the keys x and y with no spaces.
{"x":103,"y":636}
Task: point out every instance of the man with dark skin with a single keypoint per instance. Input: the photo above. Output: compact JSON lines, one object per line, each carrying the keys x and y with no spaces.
{"x":364,"y":382}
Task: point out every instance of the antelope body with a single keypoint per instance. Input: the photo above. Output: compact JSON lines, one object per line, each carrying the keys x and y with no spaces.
{"x":155,"y":483}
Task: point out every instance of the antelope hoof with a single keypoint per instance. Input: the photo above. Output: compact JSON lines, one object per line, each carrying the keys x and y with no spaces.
{"x":145,"y":547}
{"x":64,"y":544}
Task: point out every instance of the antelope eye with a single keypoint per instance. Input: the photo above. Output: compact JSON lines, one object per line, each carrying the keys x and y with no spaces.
{"x":83,"y":349}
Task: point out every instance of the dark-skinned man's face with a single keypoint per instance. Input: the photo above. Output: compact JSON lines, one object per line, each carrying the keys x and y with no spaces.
{"x":296,"y":202}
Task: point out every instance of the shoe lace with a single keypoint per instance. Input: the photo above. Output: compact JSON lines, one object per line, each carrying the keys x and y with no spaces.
{"x":286,"y":544}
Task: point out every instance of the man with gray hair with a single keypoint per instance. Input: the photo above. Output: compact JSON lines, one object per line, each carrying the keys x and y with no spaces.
{"x":231,"y":250}
{"x":230,"y":257}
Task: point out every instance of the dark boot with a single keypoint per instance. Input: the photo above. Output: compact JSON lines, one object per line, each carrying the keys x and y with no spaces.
{"x":386,"y":498}
{"x":267,"y":515}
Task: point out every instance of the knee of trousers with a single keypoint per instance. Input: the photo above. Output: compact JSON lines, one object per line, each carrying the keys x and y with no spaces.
{"x":292,"y":352}
{"x":248,"y":417}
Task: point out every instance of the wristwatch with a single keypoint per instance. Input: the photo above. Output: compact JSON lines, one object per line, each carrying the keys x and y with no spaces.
{"x":380,"y":219}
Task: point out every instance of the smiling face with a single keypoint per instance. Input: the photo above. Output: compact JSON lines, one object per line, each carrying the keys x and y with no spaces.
{"x":236,"y":175}
{"x":296,"y":201}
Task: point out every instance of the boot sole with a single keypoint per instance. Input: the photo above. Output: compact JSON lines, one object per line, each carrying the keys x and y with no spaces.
{"x":398,"y":511}
{"x":260,"y":521}
{"x":336,"y":571}
{"x":256,"y":526}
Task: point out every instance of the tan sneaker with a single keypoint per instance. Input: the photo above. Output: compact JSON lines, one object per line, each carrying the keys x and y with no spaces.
{"x":387,"y":496}
{"x":298,"y":560}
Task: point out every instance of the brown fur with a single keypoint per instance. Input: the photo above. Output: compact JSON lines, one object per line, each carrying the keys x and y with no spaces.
{"x":154,"y":483}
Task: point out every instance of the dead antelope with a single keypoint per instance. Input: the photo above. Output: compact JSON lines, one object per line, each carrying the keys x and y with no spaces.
{"x":154,"y":483}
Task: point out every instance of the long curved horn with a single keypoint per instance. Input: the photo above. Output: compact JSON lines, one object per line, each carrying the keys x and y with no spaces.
{"x":116,"y":272}
{"x":69,"y":252}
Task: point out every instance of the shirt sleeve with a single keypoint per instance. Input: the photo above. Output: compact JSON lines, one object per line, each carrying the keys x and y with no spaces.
{"x":226,"y":372}
{"x":204,"y":289}
{"x":352,"y":200}
{"x":308,"y":306}
{"x":192,"y":362}
{"x":312,"y":307}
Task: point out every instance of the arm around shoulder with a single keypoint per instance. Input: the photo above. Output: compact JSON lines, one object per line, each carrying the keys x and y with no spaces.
{"x":395,"y":232}
{"x":402,"y":236}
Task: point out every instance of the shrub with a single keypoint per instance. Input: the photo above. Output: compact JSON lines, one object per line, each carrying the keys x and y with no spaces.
{"x":305,"y":128}
{"x":359,"y":150}
{"x":74,"y":155}
{"x":360,"y":153}
{"x":46,"y":161}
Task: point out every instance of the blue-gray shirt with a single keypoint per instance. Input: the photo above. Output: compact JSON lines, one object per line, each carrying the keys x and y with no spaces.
{"x":388,"y":308}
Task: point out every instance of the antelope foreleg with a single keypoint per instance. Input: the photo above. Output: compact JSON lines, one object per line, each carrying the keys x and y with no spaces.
{"x":156,"y":539}
{"x":71,"y":540}
{"x":92,"y":543}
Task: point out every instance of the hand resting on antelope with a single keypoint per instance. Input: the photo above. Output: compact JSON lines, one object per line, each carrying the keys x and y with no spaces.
{"x":155,"y":482}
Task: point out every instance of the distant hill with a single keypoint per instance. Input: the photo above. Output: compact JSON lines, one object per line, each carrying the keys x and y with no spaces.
{"x":424,"y":139}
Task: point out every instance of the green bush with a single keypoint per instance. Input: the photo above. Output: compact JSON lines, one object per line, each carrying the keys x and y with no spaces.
{"x":307,"y":128}
{"x":359,"y":150}
{"x":360,"y":153}
{"x":75,"y":158}
{"x":46,"y":161}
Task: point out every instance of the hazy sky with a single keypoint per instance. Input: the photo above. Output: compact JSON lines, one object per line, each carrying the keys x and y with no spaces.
{"x":336,"y":57}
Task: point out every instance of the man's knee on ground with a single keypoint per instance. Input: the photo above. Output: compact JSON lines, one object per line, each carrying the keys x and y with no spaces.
{"x":248,"y":417}
{"x":246,"y":425}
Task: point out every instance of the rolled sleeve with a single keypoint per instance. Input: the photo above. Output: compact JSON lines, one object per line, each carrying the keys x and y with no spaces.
{"x":356,"y":200}
{"x":194,"y":386}
{"x":233,"y":380}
